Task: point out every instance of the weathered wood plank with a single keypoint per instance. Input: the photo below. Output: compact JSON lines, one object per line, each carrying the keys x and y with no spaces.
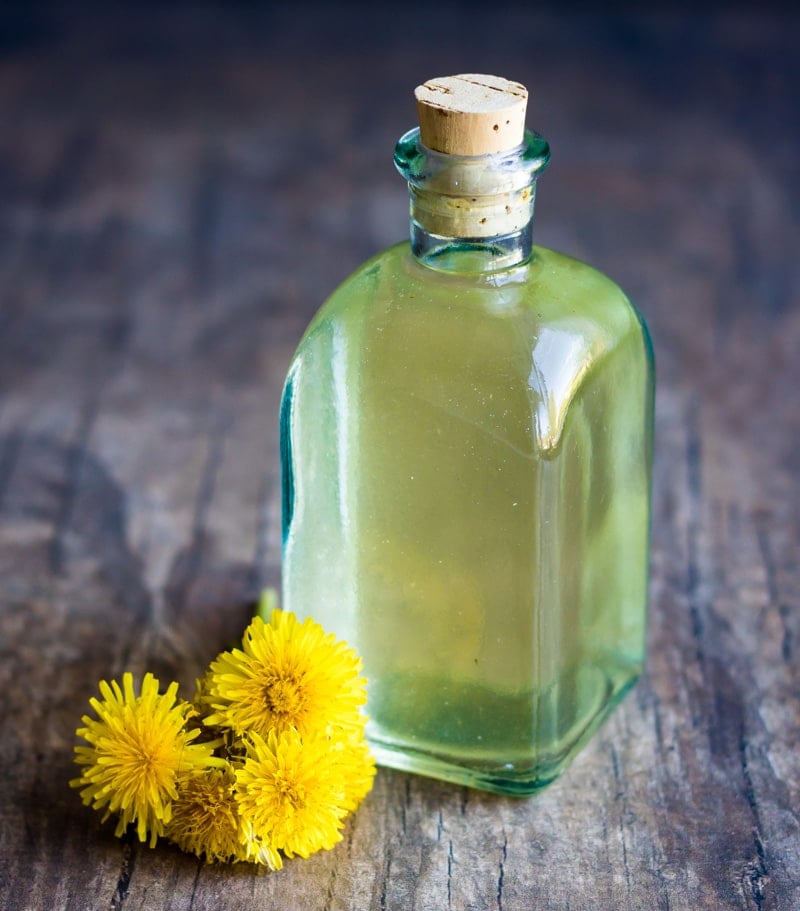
{"x":178,"y":192}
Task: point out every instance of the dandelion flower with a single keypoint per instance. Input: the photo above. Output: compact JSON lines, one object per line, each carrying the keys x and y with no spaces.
{"x":205,"y":820}
{"x":357,"y":766}
{"x":292,"y":796}
{"x":137,"y":748}
{"x":287,"y":676}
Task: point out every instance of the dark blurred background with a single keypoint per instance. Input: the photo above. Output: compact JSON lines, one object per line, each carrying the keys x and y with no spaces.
{"x":252,"y":108}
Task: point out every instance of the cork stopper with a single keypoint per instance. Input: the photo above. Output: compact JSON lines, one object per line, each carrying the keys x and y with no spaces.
{"x":471,"y":114}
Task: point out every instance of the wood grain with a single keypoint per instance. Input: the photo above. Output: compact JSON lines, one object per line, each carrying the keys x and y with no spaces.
{"x":179,"y":190}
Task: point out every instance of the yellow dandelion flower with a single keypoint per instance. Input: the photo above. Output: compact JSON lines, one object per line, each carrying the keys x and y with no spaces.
{"x":287,"y":675}
{"x":292,"y":796}
{"x":205,"y":820}
{"x":137,"y":747}
{"x":357,"y":766}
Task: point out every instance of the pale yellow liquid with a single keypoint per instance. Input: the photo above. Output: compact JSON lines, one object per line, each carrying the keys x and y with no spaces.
{"x":466,"y":502}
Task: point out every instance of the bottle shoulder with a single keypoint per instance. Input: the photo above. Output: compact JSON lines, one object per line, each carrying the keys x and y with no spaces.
{"x":551,"y":289}
{"x":539,"y":341}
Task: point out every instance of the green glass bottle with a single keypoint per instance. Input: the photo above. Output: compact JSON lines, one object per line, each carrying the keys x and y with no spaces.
{"x":466,"y":442}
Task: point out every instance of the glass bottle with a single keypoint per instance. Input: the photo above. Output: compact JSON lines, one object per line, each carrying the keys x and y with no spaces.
{"x":466,"y":439}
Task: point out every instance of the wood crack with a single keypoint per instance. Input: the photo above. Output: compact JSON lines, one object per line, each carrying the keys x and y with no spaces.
{"x":757,"y":869}
{"x":125,"y":875}
{"x":385,"y":883}
{"x":695,"y":491}
{"x":501,"y":874}
{"x":773,"y":593}
{"x":76,"y":460}
{"x":405,"y":806}
{"x":195,"y":881}
{"x":450,"y":874}
{"x":187,"y":566}
{"x":620,"y":795}
{"x":9,"y":457}
{"x":330,"y":891}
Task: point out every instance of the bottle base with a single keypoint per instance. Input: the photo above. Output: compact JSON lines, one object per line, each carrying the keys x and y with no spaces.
{"x":525,"y":776}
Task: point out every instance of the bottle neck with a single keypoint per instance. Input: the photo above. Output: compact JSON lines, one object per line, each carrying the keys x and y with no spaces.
{"x":471,"y":213}
{"x":447,"y":241}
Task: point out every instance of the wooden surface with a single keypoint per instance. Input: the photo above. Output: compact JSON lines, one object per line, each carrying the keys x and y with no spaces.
{"x":179,"y":191}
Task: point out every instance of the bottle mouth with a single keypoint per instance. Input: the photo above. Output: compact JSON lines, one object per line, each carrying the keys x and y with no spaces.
{"x":471,"y":175}
{"x":471,"y":196}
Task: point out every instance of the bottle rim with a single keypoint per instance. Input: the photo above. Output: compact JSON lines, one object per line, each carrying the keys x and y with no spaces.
{"x":471,"y":175}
